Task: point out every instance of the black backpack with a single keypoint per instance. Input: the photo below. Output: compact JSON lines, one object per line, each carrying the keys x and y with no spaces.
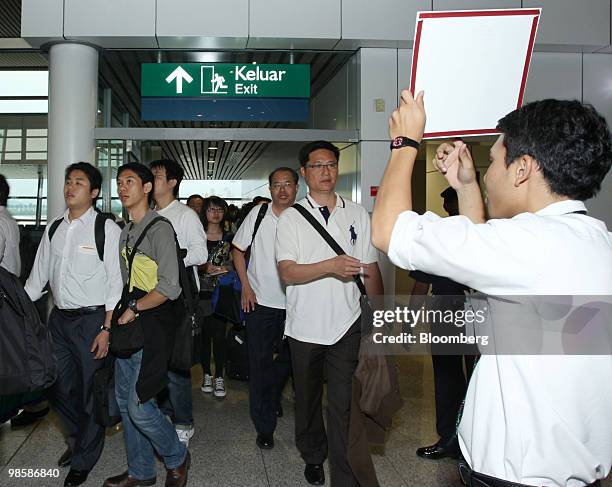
{"x":99,"y":233}
{"x":26,"y":349}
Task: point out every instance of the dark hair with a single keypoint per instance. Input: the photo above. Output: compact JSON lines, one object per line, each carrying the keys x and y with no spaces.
{"x":142,"y":171}
{"x":94,"y":176}
{"x":213,"y":201}
{"x":193,"y":197}
{"x":261,"y":199}
{"x":305,"y":151}
{"x":293,"y":172}
{"x":173,"y":171}
{"x":5,"y":189}
{"x":569,"y":140}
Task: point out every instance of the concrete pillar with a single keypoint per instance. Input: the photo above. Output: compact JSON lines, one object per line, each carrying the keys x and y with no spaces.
{"x":73,"y":98}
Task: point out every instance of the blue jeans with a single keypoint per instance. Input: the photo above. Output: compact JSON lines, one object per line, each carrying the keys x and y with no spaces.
{"x":178,"y":405}
{"x":144,"y":426}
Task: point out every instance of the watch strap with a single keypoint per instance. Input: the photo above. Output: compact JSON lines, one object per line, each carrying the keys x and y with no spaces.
{"x":399,"y":142}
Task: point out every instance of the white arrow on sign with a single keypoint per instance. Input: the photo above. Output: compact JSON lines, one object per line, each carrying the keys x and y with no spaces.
{"x":179,"y":74}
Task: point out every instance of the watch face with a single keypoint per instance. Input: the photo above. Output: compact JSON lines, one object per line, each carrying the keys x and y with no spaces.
{"x":397,"y":142}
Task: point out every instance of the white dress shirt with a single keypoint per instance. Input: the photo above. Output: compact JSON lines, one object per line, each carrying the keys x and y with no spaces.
{"x":322,"y":311}
{"x":262,"y":271}
{"x":534,"y":419}
{"x":189,"y":232}
{"x":71,"y":265}
{"x":9,"y":242}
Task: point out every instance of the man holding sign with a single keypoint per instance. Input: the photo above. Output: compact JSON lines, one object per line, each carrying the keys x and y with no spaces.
{"x":528,"y":419}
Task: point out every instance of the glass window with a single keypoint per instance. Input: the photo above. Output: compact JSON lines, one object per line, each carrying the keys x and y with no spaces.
{"x":36,"y":144}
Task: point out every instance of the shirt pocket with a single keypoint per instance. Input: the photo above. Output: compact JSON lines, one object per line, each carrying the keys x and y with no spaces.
{"x":85,"y":260}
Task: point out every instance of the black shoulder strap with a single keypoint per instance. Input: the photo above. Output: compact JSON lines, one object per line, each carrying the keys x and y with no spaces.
{"x":99,"y":233}
{"x":260,"y":217}
{"x":330,"y":241}
{"x":183,"y":276}
{"x":53,"y":227}
{"x":132,"y":253}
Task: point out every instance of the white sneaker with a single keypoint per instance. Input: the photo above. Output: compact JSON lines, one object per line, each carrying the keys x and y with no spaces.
{"x":207,"y":383}
{"x":219,"y":387}
{"x":185,"y":434}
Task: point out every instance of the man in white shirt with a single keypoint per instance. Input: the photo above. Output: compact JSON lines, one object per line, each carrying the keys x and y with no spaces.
{"x":528,"y":419}
{"x":191,"y":237}
{"x":85,"y":290}
{"x":9,"y":233}
{"x":263,"y":301}
{"x":323,"y":309}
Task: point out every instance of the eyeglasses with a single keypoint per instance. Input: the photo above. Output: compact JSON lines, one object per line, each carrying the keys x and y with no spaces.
{"x":283,"y":184}
{"x":215,"y":210}
{"x":319,"y":167}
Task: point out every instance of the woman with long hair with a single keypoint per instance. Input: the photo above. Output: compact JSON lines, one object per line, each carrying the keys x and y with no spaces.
{"x":219,"y":262}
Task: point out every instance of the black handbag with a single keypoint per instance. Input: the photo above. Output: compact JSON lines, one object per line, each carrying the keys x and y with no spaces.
{"x":127,"y":339}
{"x":367,"y":313}
{"x":106,"y":409}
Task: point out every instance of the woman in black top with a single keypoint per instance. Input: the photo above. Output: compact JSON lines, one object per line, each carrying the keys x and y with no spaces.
{"x":219,"y":262}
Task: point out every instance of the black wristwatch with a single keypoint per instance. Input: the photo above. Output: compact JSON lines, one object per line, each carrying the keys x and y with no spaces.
{"x":400,"y":142}
{"x":105,"y":328}
{"x":132,"y":306}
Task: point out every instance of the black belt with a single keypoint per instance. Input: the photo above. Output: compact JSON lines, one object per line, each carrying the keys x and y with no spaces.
{"x":475,"y":479}
{"x":86,"y":310}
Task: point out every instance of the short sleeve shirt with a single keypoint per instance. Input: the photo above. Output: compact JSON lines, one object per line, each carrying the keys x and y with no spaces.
{"x":323,"y":310}
{"x":262,"y":271}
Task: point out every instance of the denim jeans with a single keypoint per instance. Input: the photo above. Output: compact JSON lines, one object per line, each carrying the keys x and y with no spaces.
{"x":178,"y":405}
{"x":144,"y":426}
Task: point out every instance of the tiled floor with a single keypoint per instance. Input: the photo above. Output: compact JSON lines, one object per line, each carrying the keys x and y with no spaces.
{"x":223,"y":450}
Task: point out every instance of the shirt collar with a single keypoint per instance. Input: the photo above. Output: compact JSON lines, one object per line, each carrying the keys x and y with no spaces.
{"x":174,"y":203}
{"x":340,"y":203}
{"x":562,"y":208}
{"x":84,"y":218}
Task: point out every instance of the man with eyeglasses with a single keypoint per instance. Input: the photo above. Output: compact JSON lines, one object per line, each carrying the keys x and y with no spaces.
{"x":323,"y":312}
{"x":263,"y":301}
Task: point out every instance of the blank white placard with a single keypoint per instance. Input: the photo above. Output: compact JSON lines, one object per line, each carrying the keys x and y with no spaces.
{"x":472,"y":66}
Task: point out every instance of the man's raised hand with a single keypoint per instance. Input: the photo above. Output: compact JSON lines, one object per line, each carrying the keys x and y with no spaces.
{"x":408,"y":120}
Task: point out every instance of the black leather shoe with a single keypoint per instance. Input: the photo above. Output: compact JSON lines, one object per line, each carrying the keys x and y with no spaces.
{"x":126,"y":480}
{"x":75,"y":477}
{"x":314,"y":473}
{"x":440,"y":450}
{"x":279,"y":411}
{"x":65,"y":459}
{"x":265,"y":441}
{"x":25,"y":418}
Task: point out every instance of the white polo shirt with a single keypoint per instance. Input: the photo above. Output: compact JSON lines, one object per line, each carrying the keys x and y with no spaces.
{"x":189,"y":233}
{"x":323,"y":310}
{"x":536,"y":420}
{"x":262,"y":271}
{"x":9,"y":242}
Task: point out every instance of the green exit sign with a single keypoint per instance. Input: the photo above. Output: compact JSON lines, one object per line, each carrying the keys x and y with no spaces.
{"x":226,"y":80}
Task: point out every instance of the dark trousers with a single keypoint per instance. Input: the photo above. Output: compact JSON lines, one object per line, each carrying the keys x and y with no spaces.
{"x":450,"y":387}
{"x":213,"y":330}
{"x":72,"y":394}
{"x":340,"y":361}
{"x":267,"y":374}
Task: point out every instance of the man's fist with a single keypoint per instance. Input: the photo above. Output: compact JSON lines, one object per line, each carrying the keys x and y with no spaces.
{"x":456,"y":164}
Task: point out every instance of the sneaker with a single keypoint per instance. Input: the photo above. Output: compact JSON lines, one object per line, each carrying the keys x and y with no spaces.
{"x":185,"y":433}
{"x":207,"y":383}
{"x":219,"y":387}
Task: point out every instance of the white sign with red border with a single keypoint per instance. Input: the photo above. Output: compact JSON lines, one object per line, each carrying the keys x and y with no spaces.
{"x":472,"y":65}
